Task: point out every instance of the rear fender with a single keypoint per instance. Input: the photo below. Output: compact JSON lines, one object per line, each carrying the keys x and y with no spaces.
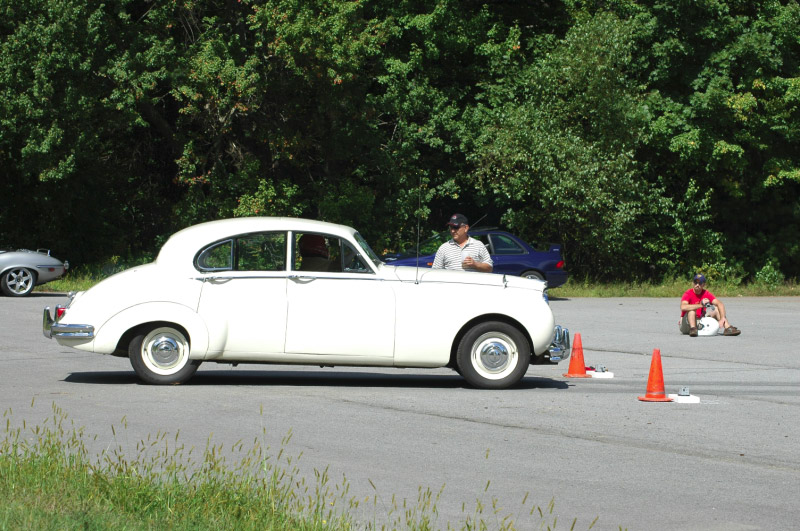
{"x":108,"y":336}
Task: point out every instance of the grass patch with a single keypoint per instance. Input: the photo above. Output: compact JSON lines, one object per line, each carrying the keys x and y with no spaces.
{"x":764,"y":284}
{"x":49,"y":480}
{"x":82,"y":279}
{"x":671,"y":288}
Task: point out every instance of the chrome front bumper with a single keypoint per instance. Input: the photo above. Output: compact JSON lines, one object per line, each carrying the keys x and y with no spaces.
{"x":559,"y":349}
{"x":52,"y":328}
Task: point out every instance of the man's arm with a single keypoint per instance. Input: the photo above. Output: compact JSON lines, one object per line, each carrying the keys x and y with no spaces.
{"x":483,"y":261}
{"x":686,"y":307}
{"x":483,"y":267}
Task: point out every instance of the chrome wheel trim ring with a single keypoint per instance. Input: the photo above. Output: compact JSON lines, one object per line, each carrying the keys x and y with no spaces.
{"x":494,"y":355}
{"x":165,"y":351}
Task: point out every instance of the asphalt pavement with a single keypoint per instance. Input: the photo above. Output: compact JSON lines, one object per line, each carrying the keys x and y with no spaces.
{"x":730,"y":462}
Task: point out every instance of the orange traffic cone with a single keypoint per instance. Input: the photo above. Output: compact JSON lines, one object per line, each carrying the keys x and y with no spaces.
{"x":576,"y":367}
{"x":655,"y":383}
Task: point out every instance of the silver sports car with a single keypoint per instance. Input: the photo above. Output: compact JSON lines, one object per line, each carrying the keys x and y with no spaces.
{"x":21,"y":270}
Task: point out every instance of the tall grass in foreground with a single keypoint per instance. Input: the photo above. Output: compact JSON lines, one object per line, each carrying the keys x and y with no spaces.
{"x":49,"y":480}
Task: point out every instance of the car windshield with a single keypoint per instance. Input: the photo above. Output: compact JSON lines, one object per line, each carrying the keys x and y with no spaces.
{"x":367,"y":249}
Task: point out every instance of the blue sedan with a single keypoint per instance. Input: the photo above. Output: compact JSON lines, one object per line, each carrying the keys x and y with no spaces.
{"x":511,"y":256}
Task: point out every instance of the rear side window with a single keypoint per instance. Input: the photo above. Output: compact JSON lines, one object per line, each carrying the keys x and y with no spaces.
{"x":262,"y":251}
{"x":218,"y":257}
{"x":504,"y":245}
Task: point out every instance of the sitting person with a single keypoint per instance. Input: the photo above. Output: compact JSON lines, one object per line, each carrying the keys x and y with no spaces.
{"x":698,"y":302}
{"x":314,"y":253}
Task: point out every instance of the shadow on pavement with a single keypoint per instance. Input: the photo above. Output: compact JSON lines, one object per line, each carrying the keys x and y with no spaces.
{"x":309,"y":379}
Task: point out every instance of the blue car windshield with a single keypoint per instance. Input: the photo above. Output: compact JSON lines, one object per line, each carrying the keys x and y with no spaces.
{"x":426,"y":247}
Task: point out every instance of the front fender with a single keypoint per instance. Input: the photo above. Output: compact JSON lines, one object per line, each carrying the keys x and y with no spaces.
{"x":108,"y":335}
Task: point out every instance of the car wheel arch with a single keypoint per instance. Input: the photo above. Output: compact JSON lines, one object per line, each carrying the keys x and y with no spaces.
{"x":128,"y":335}
{"x":484,"y":319}
{"x":110,"y":334}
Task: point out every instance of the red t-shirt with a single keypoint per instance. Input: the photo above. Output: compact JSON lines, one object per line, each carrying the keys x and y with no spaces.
{"x":692,"y":298}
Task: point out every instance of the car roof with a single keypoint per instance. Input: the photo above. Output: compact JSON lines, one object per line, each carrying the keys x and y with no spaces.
{"x":486,"y":230}
{"x":189,"y":240}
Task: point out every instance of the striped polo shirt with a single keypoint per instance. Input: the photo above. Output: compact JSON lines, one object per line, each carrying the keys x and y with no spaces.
{"x":450,"y":255}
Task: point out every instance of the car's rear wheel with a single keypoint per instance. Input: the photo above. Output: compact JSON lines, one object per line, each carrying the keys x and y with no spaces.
{"x":493,"y":355}
{"x":160,"y":356}
{"x":18,"y":282}
{"x":532,"y":274}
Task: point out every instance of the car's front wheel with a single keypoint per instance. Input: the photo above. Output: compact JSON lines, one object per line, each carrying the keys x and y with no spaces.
{"x":160,"y":356}
{"x":18,"y":282}
{"x":493,"y":355}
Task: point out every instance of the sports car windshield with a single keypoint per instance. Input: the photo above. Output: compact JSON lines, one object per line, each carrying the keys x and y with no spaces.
{"x":367,"y":249}
{"x":426,"y":247}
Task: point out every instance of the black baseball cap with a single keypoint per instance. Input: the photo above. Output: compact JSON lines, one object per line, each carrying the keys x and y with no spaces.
{"x":456,"y":220}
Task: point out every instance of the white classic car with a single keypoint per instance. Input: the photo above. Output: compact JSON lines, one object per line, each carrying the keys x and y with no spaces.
{"x":295,"y":291}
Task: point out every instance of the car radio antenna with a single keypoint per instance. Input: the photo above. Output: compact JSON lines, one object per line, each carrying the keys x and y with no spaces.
{"x":419,"y":214}
{"x":476,"y":223}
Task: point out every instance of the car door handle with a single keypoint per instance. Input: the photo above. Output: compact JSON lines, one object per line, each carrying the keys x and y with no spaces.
{"x":302,"y":278}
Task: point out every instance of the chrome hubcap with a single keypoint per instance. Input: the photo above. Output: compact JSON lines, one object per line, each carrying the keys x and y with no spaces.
{"x":165,"y":351}
{"x":494,"y":355}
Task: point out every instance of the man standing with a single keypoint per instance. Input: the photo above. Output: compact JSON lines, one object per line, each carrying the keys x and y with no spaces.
{"x":698,"y":301}
{"x":462,"y":253}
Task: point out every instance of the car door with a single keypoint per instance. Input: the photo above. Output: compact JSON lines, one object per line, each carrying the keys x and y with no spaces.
{"x":337,"y":304}
{"x":508,"y":256}
{"x":243,"y":299}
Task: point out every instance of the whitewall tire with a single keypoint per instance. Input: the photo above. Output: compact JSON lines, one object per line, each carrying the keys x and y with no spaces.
{"x":160,"y":355}
{"x":493,"y":355}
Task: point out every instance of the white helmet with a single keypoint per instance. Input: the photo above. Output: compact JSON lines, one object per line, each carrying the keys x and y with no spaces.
{"x":707,"y":326}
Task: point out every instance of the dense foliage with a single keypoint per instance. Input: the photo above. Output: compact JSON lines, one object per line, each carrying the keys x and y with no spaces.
{"x":650,"y":138}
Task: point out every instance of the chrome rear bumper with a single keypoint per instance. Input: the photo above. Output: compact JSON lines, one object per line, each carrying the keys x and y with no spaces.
{"x":51,"y":328}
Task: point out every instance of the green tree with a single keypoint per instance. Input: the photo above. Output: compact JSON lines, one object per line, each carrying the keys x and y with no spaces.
{"x":722,"y":83}
{"x":557,"y":146}
{"x":648,"y":137}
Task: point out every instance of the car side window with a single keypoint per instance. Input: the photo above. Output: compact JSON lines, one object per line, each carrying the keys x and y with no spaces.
{"x":264,"y":251}
{"x":352,"y":262}
{"x":326,"y":253}
{"x":313,"y":252}
{"x":218,"y":257}
{"x":504,"y":245}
